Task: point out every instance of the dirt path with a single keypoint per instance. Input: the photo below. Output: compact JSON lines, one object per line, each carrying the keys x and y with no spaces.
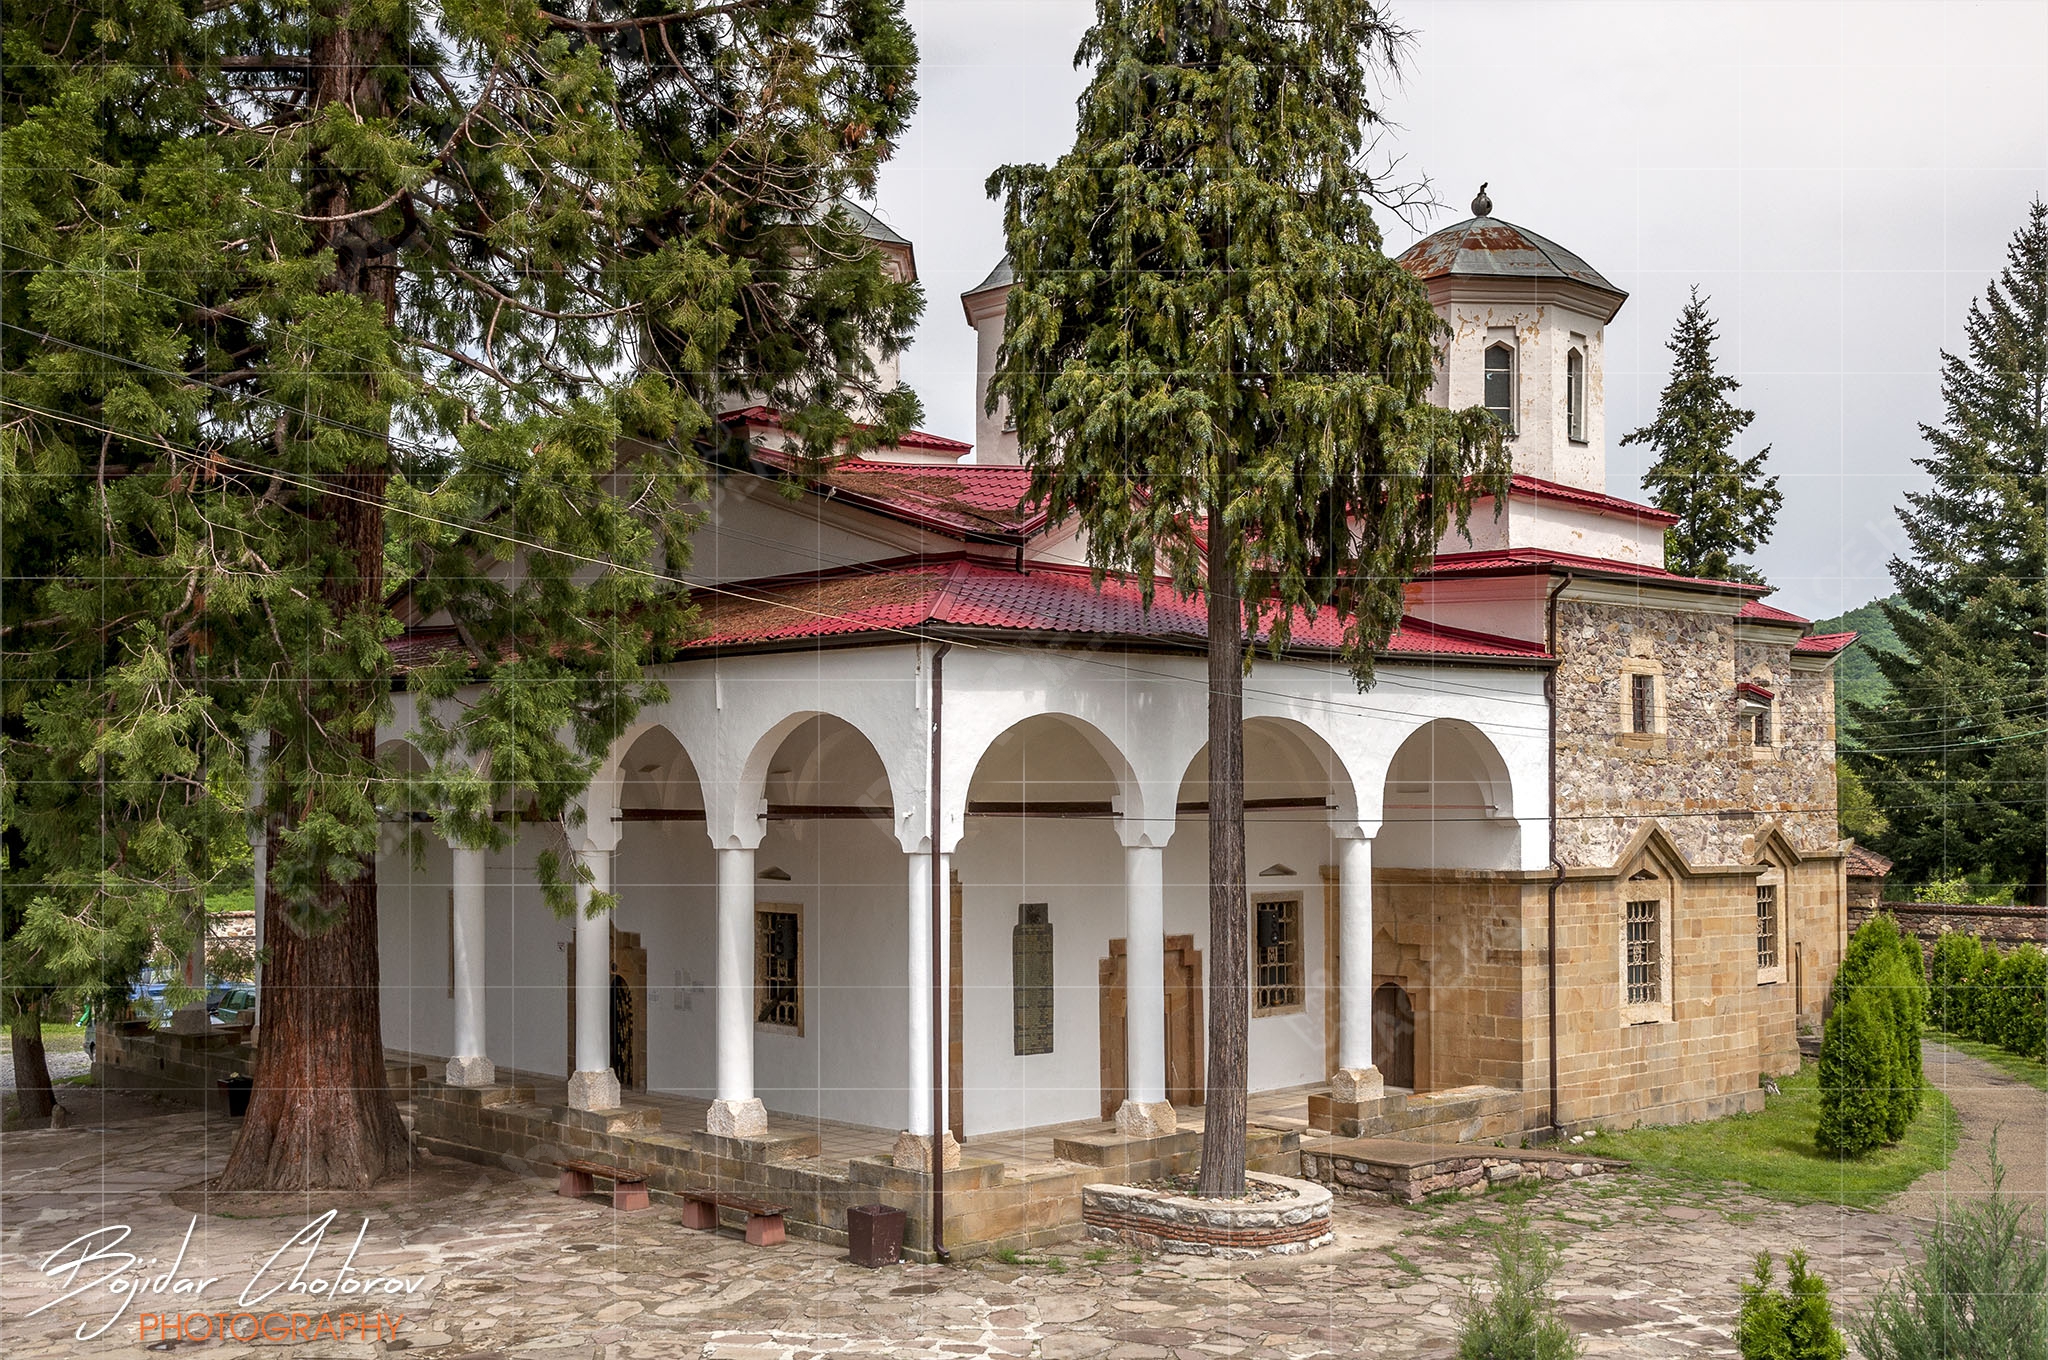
{"x":1986,"y":1101}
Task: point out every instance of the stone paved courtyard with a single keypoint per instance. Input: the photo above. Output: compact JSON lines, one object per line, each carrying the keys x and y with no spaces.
{"x":1651,"y":1267}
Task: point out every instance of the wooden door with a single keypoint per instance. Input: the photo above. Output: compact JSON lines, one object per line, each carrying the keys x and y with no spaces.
{"x":1184,"y":1024}
{"x":1393,"y":1035}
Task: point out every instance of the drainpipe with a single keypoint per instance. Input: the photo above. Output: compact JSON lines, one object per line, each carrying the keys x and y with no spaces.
{"x":1556,"y":865}
{"x":941,"y":939}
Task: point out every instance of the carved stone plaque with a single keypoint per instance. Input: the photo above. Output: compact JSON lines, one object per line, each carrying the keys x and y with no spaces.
{"x":1031,"y":977}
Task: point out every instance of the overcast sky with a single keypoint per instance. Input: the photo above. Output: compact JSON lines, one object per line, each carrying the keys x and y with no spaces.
{"x":1841,"y":178}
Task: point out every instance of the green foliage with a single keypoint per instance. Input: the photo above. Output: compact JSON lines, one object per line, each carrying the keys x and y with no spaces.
{"x":1857,"y":812}
{"x":1954,"y":747}
{"x":1856,"y":674}
{"x":1517,"y":1320}
{"x":1206,"y":339}
{"x":1870,"y":1067}
{"x":1962,"y":891}
{"x":1724,"y":503}
{"x":1795,"y":1324}
{"x":1979,"y":1290}
{"x":1994,"y":996}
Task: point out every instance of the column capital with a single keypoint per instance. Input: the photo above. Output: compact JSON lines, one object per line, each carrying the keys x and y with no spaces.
{"x":1145,"y":833}
{"x":1355,"y":831}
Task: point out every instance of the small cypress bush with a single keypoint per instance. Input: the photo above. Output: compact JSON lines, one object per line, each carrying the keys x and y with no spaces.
{"x":1518,"y":1321}
{"x":1856,"y":1073}
{"x":2023,"y":1001}
{"x":1956,"y":959}
{"x":1798,"y":1324}
{"x":1979,"y":1292}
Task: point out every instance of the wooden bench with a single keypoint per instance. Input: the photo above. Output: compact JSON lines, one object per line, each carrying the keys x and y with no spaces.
{"x":764,"y":1220}
{"x":629,"y":1188}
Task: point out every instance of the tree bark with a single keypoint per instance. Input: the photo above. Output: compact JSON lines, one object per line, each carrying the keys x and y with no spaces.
{"x":34,"y":1094}
{"x":1223,"y":1115}
{"x":321,"y":1115}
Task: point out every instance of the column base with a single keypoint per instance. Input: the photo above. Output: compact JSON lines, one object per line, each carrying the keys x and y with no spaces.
{"x":593,"y":1091}
{"x":736,"y":1119}
{"x":913,"y":1152}
{"x":1145,"y":1119}
{"x":476,"y":1071}
{"x":1354,"y":1084}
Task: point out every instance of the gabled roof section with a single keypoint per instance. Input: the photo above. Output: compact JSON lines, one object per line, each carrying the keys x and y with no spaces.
{"x":1756,"y":611}
{"x":1749,"y":689}
{"x":1539,"y":490}
{"x":871,"y":226}
{"x":1532,"y":561}
{"x":1863,"y":863}
{"x":1823,"y":644}
{"x":975,"y":503}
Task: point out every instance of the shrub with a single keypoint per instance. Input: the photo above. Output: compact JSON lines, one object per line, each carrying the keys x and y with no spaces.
{"x":1519,"y":1321}
{"x":1798,"y":1324}
{"x":1953,"y":970}
{"x":1856,"y":1073}
{"x":1995,"y":997}
{"x":1978,"y":1291}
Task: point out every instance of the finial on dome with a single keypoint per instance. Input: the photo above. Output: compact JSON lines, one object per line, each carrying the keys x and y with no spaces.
{"x":1482,"y":206}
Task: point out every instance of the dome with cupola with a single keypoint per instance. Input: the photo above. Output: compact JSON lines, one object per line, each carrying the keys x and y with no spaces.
{"x":1486,"y":247}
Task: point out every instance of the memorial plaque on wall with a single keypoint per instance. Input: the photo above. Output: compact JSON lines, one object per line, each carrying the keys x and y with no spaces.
{"x":1031,"y":977}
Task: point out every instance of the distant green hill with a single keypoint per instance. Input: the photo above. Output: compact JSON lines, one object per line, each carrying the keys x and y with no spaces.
{"x":1856,"y":675}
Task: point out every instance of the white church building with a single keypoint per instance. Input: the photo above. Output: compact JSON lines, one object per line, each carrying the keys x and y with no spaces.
{"x":916,"y":840}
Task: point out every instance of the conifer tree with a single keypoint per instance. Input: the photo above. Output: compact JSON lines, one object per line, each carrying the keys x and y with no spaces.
{"x":1215,"y":368}
{"x":1954,"y":752}
{"x":1724,"y":502}
{"x":306,"y":302}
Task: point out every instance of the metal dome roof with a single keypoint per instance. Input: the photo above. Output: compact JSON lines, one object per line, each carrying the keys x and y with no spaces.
{"x":1487,"y":247}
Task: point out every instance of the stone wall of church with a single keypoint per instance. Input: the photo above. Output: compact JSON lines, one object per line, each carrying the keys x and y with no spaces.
{"x":1460,"y":944}
{"x":1709,"y":788}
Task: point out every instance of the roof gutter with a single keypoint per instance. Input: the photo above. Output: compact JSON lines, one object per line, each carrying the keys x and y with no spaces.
{"x":1557,"y":865}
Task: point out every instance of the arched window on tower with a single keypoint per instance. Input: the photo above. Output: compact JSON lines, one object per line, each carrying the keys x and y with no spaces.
{"x":1575,"y":396}
{"x":1500,"y":384}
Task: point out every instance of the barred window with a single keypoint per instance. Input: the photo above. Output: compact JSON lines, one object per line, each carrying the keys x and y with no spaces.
{"x":778,"y":968}
{"x":1645,"y":948}
{"x":1760,"y":728}
{"x":1500,"y":385}
{"x":1642,"y":703}
{"x":1575,"y":396}
{"x":1767,"y":925}
{"x":1276,"y":955}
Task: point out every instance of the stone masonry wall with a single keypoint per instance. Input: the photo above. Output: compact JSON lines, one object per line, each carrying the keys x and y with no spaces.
{"x":1459,"y":943}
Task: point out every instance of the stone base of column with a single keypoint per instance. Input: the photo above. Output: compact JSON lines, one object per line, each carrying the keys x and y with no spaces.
{"x":1145,"y":1119}
{"x":913,"y":1152}
{"x":1354,"y":1084}
{"x":191,"y":1020}
{"x":477,"y":1071}
{"x":736,"y":1119}
{"x":593,"y":1091}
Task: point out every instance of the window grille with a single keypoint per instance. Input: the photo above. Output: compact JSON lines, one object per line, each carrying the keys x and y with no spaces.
{"x":1276,"y":955}
{"x":1767,"y":925}
{"x":778,"y":969}
{"x":1575,"y":396}
{"x":1760,"y":727}
{"x":1644,"y":954}
{"x":1500,"y":384}
{"x":1642,"y":703}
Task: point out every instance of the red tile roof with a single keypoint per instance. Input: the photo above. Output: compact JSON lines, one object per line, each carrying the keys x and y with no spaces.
{"x":1823,"y":644}
{"x":1754,"y":690}
{"x":1520,"y":561}
{"x":912,"y":439}
{"x":959,"y":500}
{"x":961,"y":594}
{"x":1867,"y":863}
{"x":1758,"y":612}
{"x":1538,"y":489}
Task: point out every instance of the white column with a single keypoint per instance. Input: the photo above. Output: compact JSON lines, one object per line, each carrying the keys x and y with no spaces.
{"x":914,"y":1146}
{"x":1356,"y":1078}
{"x":736,"y":1113}
{"x":593,"y":1085}
{"x":468,"y":1066}
{"x":1145,"y":1111}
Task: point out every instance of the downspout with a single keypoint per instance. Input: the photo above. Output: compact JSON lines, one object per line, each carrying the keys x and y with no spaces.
{"x":941,"y":938}
{"x":1556,"y":865}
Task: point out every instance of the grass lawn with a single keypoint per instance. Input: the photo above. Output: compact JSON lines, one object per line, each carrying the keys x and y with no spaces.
{"x":1772,"y":1152}
{"x":2032,"y":1071}
{"x":63,"y":1037}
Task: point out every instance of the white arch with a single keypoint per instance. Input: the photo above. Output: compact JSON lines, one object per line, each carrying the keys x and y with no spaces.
{"x":732,"y":804}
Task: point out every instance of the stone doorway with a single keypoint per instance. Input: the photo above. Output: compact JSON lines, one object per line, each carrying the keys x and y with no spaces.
{"x":1184,"y":1073}
{"x":628,"y":1023}
{"x":1393,"y":1035}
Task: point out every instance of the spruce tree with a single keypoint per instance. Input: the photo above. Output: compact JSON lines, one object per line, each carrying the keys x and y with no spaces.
{"x":305,"y":303}
{"x":1954,"y":752}
{"x":1724,"y":502}
{"x":1214,"y":366}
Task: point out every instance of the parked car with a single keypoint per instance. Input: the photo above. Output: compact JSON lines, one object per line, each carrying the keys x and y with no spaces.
{"x":146,"y":996}
{"x":235,"y":1005}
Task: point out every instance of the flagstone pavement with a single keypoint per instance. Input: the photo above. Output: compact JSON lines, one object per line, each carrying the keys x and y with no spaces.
{"x":507,"y":1269}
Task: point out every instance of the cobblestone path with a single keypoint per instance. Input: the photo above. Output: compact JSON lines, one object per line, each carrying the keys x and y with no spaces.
{"x":1650,"y":1268}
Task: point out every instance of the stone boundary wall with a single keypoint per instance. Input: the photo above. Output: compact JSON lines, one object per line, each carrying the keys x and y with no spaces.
{"x":189,"y":1067}
{"x":1154,"y":1220}
{"x":1929,"y":921}
{"x":1468,"y":1171}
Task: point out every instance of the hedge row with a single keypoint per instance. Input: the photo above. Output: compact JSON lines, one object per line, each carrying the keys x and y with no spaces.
{"x":1870,"y":1078}
{"x":1994,"y":996}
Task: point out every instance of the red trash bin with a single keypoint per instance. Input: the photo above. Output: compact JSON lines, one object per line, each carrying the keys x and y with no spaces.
{"x":874,"y":1235}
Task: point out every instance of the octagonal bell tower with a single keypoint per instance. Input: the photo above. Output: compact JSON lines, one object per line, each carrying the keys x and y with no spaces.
{"x":1528,"y":321}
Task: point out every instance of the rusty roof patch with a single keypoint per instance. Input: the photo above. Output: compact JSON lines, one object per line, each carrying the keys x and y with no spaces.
{"x":1488,"y":247}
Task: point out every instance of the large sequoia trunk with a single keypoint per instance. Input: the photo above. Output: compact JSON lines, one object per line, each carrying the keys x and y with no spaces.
{"x":321,"y":1115}
{"x":1223,"y":1112}
{"x":35,"y":1096}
